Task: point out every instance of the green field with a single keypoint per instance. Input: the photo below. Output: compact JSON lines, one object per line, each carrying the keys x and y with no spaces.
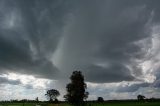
{"x":89,"y":104}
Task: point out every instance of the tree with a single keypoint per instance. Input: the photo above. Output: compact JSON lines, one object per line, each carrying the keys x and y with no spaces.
{"x":100,"y":99}
{"x":141,"y":97}
{"x":52,"y":94}
{"x":37,"y":100}
{"x":76,"y":89}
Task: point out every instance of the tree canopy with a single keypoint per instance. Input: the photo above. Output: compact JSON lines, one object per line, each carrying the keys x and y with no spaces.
{"x":100,"y":99}
{"x":141,"y":97}
{"x":52,"y":94}
{"x":76,"y":89}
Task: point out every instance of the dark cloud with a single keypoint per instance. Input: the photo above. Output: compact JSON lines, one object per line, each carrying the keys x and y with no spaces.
{"x":111,"y":73}
{"x":107,"y":33}
{"x":50,"y":39}
{"x":108,"y":40}
{"x":4,"y":80}
{"x":27,"y":44}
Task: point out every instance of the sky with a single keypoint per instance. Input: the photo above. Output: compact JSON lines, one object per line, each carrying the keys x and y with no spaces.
{"x":114,"y":43}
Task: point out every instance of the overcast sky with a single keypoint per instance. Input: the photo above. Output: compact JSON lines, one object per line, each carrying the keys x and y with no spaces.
{"x":115,"y":43}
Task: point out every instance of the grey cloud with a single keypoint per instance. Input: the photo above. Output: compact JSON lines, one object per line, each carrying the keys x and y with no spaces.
{"x":111,"y":73}
{"x":27,"y":46}
{"x":97,"y":37}
{"x":107,"y":33}
{"x":132,"y":88}
{"x":4,"y":80}
{"x":52,"y":38}
{"x":156,"y":83}
{"x":28,"y":86}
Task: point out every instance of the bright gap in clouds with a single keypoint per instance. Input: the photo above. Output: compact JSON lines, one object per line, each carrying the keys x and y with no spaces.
{"x":151,"y":63}
{"x":29,"y":80}
{"x":28,"y":87}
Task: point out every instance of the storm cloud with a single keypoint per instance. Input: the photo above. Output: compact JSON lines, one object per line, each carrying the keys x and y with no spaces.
{"x":33,"y":31}
{"x":110,"y":41}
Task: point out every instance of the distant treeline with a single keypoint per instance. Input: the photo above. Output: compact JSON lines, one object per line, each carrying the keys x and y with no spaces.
{"x":22,"y":101}
{"x":90,"y":101}
{"x":129,"y":100}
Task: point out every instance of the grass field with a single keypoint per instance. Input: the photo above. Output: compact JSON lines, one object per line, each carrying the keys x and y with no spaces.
{"x":89,"y":104}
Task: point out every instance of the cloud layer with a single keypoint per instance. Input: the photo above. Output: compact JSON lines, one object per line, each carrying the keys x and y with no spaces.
{"x":110,"y":41}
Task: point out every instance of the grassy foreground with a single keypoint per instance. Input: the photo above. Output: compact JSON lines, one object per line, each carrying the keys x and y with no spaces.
{"x":89,"y":104}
